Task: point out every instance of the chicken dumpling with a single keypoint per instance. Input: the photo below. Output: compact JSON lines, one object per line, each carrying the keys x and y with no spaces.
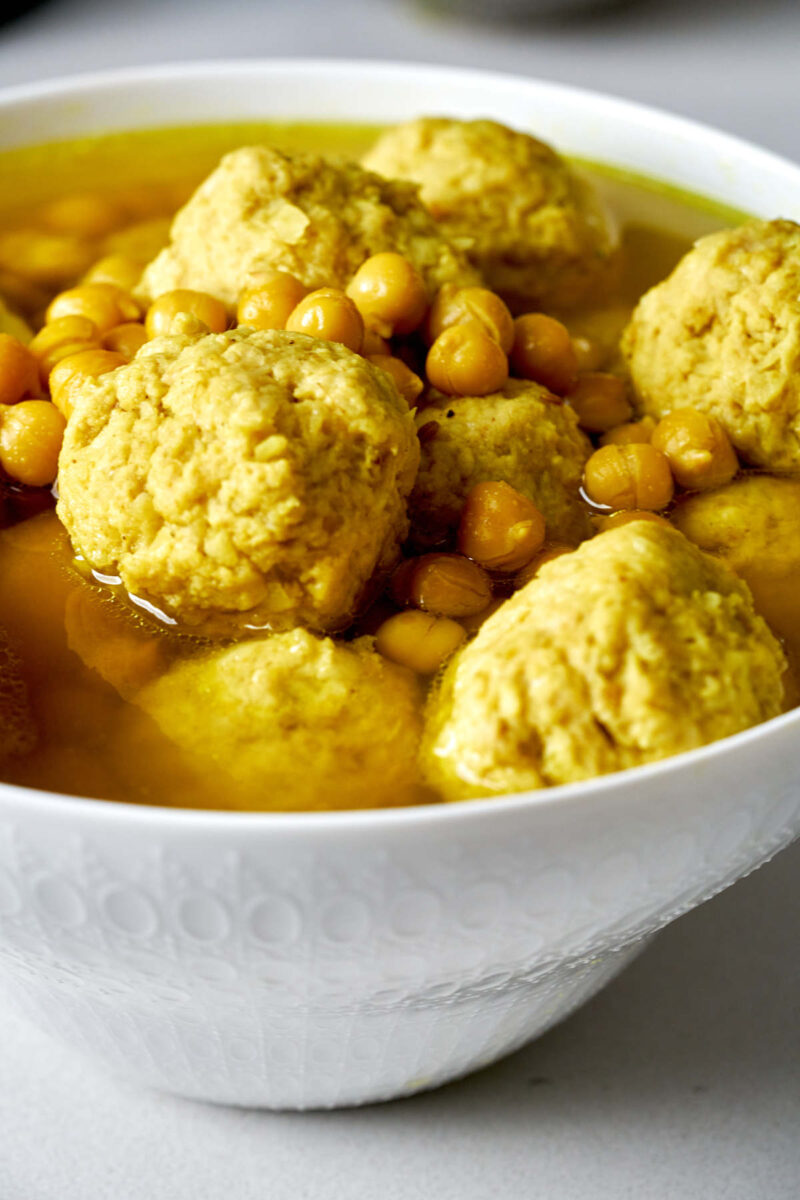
{"x":634,"y":647}
{"x":722,"y":334}
{"x":532,"y":224}
{"x":243,"y":478}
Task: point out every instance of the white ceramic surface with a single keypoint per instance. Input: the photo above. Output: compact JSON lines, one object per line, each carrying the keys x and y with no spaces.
{"x":319,"y":960}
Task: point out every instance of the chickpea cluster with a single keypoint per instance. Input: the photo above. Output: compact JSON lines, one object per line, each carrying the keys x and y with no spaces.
{"x":461,"y":342}
{"x":639,"y":464}
{"x":445,"y":595}
{"x":67,"y":273}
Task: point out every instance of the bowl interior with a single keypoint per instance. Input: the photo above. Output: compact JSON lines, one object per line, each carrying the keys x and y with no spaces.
{"x":600,"y":128}
{"x":592,"y":126}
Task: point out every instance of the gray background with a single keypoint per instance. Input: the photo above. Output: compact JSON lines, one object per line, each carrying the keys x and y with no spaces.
{"x":682,"y":1079}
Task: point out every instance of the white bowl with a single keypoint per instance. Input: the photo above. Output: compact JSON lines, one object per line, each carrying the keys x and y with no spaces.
{"x":328,"y":959}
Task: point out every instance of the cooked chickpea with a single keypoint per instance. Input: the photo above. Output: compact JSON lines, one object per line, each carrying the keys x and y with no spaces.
{"x":71,"y":373}
{"x":49,"y":361}
{"x":390,"y":293}
{"x":270,"y":302}
{"x":407,"y":383}
{"x":614,"y":520}
{"x":19,"y":370}
{"x":49,"y":259}
{"x":76,"y":332}
{"x":118,"y":269}
{"x":543,"y":352}
{"x":546,"y":554}
{"x":126,"y":339}
{"x":500,"y":528}
{"x":331,"y":315}
{"x":448,"y":585}
{"x":629,"y":433}
{"x":632,"y":476}
{"x":419,"y":640}
{"x":600,"y":400}
{"x":166,"y":307}
{"x":590,"y":355}
{"x":373,"y":343}
{"x":464,"y":361}
{"x":63,"y":329}
{"x":104,"y":303}
{"x":86,"y":214}
{"x":470,"y":306}
{"x":31,"y":433}
{"x":401,"y":580}
{"x":698,"y":449}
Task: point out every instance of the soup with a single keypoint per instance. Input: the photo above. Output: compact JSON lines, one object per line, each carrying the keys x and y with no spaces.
{"x":85,"y":657}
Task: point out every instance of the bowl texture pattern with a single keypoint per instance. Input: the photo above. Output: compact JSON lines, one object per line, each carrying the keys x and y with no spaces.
{"x":321,"y":966}
{"x":307,"y":960}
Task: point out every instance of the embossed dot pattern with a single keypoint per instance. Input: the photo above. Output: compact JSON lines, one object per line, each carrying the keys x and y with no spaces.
{"x":346,"y":919}
{"x":203,"y":917}
{"x":275,"y":920}
{"x":59,"y":900}
{"x":616,"y":879}
{"x":483,"y":905}
{"x":356,"y":972}
{"x":415,"y":913}
{"x":131,"y":912}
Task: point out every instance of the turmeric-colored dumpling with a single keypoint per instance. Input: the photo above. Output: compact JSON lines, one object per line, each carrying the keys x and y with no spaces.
{"x":633,"y":647}
{"x":247,"y":477}
{"x":722,"y":334}
{"x":522,"y":436}
{"x":530,"y":222}
{"x":317,"y":219}
{"x":753,"y":524}
{"x":294,"y":721}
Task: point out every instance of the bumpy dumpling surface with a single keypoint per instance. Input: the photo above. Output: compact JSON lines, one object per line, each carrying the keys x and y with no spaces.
{"x":295,"y":722}
{"x":317,"y":219}
{"x":532,"y":225}
{"x":523,"y":436}
{"x":722,"y":334}
{"x":634,"y":647}
{"x":245,"y":477}
{"x":753,"y":524}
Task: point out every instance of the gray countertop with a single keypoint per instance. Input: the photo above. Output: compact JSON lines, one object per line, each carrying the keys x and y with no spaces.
{"x":730,"y":63}
{"x":682,"y":1079}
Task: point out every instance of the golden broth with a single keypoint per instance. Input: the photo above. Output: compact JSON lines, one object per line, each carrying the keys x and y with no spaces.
{"x":83,"y":653}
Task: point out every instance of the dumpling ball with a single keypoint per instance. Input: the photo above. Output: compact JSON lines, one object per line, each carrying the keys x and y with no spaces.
{"x":522,"y":436}
{"x":262,"y":210}
{"x":242,"y":478}
{"x":753,"y":524}
{"x":532,"y":225}
{"x":294,"y":721}
{"x":722,"y":334}
{"x":633,"y":647}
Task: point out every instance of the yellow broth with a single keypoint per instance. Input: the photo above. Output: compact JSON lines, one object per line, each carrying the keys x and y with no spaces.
{"x":82,"y":651}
